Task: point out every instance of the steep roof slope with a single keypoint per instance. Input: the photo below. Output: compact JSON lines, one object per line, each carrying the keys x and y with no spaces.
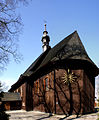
{"x":33,"y":67}
{"x":70,"y":48}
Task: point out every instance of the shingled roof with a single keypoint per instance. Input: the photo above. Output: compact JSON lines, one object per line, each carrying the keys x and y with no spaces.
{"x":11,"y":97}
{"x":70,"y":48}
{"x":36,"y":63}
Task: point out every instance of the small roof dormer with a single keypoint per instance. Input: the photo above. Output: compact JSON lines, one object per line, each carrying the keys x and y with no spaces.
{"x":45,"y":40}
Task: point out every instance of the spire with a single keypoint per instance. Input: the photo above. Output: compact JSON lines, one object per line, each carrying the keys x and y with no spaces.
{"x":45,"y":32}
{"x":45,"y":40}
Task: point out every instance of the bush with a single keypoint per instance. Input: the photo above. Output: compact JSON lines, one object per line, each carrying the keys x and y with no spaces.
{"x":3,"y":115}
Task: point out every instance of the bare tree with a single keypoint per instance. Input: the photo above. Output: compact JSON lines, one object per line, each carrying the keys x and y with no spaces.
{"x":4,"y":86}
{"x":10,"y":27}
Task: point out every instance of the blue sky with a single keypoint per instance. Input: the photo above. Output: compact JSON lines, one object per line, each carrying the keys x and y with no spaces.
{"x":63,"y":17}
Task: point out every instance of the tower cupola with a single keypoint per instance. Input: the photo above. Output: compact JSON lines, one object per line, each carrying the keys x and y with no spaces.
{"x":45,"y":40}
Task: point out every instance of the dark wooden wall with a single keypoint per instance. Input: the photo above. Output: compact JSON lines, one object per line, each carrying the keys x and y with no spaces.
{"x":43,"y":98}
{"x":22,"y":91}
{"x":77,"y":98}
{"x":58,"y":97}
{"x":68,"y":97}
{"x":12,"y":105}
{"x":29,"y":96}
{"x":88,"y":93}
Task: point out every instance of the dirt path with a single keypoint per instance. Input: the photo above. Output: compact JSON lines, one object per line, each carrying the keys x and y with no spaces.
{"x":34,"y":115}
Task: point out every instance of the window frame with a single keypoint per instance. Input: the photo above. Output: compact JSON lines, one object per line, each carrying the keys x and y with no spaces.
{"x":46,"y":83}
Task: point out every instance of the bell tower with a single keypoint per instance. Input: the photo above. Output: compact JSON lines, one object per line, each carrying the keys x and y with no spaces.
{"x":45,"y":40}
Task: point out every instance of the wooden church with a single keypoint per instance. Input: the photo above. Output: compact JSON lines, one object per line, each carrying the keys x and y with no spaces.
{"x":61,"y":80}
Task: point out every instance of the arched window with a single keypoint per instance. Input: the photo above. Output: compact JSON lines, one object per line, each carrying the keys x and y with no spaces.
{"x":36,"y":87}
{"x":46,"y":84}
{"x":21,"y":91}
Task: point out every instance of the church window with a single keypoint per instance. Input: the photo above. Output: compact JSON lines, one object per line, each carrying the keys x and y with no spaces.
{"x":46,"y":80}
{"x":46,"y":84}
{"x":36,"y":87}
{"x":21,"y":91}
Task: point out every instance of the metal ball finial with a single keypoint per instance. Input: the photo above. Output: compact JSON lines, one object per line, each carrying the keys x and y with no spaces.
{"x":45,"y":27}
